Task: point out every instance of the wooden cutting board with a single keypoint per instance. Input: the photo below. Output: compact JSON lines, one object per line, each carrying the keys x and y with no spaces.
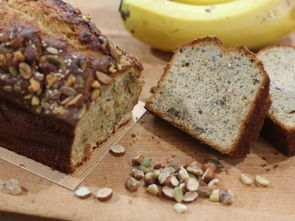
{"x":162,"y":142}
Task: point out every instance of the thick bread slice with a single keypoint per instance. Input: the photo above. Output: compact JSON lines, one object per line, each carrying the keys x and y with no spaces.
{"x":219,"y":96}
{"x":279,"y":126}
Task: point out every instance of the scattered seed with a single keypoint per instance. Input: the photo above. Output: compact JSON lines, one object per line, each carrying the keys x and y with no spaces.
{"x":195,"y":171}
{"x":226,"y":197}
{"x":83,"y":192}
{"x":131,"y":184}
{"x":137,"y":159}
{"x":180,"y":208}
{"x":168,"y":192}
{"x":153,"y":189}
{"x":163,"y":176}
{"x":215,"y":195}
{"x":183,"y":175}
{"x":192,"y":184}
{"x":117,"y":150}
{"x":246,"y":179}
{"x":213,"y":184}
{"x":137,"y":174}
{"x":178,"y":194}
{"x":146,"y":162}
{"x":104,"y":194}
{"x":150,"y":178}
{"x":190,"y":197}
{"x":261,"y":180}
{"x":172,"y":181}
{"x":12,"y":187}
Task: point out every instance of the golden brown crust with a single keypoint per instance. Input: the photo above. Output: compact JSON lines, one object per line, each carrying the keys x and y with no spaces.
{"x":252,"y":126}
{"x":276,"y":131}
{"x":254,"y":122}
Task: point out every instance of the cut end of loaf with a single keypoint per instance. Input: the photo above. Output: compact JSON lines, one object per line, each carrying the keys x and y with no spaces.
{"x":106,"y":116}
{"x":218,"y":96}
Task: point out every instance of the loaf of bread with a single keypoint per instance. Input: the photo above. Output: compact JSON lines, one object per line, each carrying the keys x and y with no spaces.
{"x":279,"y":125}
{"x":219,"y":96}
{"x":64,"y":87}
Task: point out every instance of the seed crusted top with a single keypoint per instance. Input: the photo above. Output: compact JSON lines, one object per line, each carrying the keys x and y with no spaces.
{"x":44,"y":72}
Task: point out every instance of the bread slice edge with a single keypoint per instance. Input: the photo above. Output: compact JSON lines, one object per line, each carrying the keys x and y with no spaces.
{"x":250,"y":128}
{"x":278,"y":133}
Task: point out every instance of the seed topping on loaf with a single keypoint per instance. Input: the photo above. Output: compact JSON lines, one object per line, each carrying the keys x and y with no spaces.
{"x":51,"y":70}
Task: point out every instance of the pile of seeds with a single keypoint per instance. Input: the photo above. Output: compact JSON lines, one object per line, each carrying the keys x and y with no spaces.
{"x":183,"y":184}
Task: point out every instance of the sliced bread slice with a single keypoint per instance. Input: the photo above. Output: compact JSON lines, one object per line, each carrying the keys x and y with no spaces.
{"x":279,"y":126}
{"x":219,"y":96}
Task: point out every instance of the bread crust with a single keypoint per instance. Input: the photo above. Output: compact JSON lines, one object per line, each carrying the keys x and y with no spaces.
{"x":281,"y":135}
{"x":54,"y":65}
{"x":26,"y":134}
{"x":283,"y":138}
{"x":251,"y":127}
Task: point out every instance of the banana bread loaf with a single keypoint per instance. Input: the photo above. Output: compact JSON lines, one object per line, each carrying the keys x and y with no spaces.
{"x":219,"y":96}
{"x":279,"y":126}
{"x":64,"y":87}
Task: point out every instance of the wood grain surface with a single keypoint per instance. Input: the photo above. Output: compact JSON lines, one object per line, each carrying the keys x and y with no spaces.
{"x":162,"y":142}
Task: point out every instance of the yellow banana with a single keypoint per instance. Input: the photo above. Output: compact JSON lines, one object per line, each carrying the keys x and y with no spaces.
{"x":202,"y":2}
{"x":165,"y":24}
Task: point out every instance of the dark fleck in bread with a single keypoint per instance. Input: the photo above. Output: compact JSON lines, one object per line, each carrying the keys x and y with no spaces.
{"x":219,"y":96}
{"x":279,"y":126}
{"x":64,"y":87}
